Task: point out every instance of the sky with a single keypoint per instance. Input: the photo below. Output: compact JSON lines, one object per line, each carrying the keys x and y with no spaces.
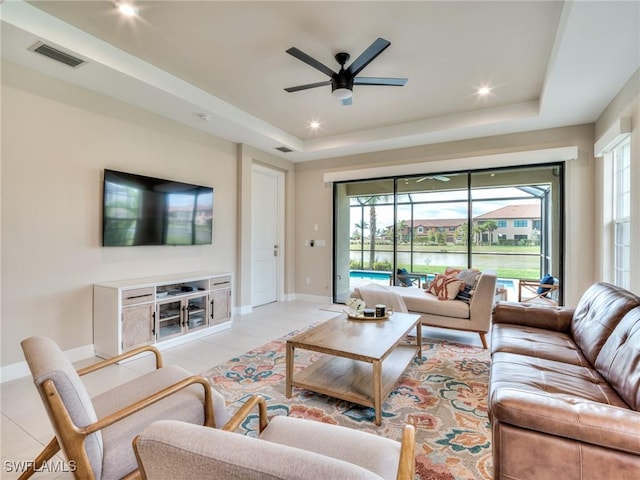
{"x":448,"y":209}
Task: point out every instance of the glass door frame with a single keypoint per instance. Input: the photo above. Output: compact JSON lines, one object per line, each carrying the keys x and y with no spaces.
{"x":546,"y":250}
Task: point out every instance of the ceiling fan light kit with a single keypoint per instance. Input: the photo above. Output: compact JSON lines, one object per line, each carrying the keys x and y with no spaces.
{"x":342,"y":93}
{"x":342,"y":82}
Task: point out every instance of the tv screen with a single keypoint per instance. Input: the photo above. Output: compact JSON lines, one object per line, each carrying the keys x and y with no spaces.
{"x":139,"y":210}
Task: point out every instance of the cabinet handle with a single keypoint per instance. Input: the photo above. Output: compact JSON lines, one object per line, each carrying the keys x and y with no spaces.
{"x":134,"y":297}
{"x":185,"y":316}
{"x":212,"y":309}
{"x":153,"y":324}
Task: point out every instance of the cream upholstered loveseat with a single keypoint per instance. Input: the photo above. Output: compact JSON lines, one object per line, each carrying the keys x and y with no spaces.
{"x":474,"y":316}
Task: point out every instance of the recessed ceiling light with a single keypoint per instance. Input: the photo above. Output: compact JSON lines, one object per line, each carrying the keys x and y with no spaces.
{"x":314,"y":125}
{"x":484,"y":91}
{"x":127,"y":9}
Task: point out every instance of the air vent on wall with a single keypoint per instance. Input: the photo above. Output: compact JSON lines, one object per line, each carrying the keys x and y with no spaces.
{"x":57,"y":55}
{"x":284,"y":149}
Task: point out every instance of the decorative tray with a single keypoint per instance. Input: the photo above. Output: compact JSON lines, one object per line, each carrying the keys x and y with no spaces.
{"x":361,"y":316}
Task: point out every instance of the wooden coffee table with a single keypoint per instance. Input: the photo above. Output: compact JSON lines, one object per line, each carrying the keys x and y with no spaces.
{"x":364,"y":358}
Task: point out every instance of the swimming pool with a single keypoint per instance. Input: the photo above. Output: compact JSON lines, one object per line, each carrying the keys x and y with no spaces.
{"x":369,"y":275}
{"x":379,"y":275}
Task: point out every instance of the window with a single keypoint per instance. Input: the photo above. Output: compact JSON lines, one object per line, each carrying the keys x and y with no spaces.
{"x":425,"y":224}
{"x":622,"y":213}
{"x":521,"y":224}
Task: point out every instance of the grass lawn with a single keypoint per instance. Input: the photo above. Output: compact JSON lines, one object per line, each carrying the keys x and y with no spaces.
{"x":508,"y":261}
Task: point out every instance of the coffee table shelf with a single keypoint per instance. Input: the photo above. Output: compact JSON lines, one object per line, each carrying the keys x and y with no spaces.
{"x":352,"y":380}
{"x":361,"y":361}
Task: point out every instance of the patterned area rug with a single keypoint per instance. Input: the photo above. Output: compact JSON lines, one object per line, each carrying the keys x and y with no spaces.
{"x":444,"y":394}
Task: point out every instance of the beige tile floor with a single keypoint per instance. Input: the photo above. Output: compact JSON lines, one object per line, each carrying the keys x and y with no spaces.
{"x":25,"y":426}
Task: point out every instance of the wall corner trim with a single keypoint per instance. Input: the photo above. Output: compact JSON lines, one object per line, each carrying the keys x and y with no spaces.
{"x":616,"y":132}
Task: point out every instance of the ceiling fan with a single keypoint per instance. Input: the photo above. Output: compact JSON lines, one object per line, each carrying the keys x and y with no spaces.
{"x":342,"y":82}
{"x":440,"y":178}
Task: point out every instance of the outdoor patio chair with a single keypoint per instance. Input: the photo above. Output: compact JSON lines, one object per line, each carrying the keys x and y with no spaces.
{"x":95,"y":434}
{"x":543,"y":291}
{"x":286,"y":448}
{"x":407,"y":279}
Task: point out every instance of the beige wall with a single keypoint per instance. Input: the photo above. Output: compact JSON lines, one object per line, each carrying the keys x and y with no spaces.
{"x":247,"y":157}
{"x":56,"y":140}
{"x":315,"y":205}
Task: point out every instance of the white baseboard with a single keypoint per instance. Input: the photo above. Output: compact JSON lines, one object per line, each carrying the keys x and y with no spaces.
{"x":242,"y":310}
{"x":313,"y":298}
{"x":21,"y":369}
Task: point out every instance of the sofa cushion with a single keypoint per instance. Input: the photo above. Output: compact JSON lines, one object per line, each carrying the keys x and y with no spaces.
{"x":374,"y":453}
{"x":177,"y":450}
{"x":531,"y":374}
{"x":419,"y":301}
{"x":536,"y":342}
{"x":186,"y":405}
{"x":619,"y":359}
{"x":599,"y":311}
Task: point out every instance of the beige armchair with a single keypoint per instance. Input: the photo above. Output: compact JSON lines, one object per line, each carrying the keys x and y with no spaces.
{"x":95,"y":434}
{"x":286,"y":448}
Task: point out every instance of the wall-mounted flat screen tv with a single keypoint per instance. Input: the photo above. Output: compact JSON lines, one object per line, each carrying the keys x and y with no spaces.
{"x":139,"y":210}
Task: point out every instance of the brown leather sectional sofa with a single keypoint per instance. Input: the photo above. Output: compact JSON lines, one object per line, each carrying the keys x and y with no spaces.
{"x":564,"y":392}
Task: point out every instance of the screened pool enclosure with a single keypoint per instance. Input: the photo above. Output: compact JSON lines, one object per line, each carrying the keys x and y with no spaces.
{"x":507,"y":220}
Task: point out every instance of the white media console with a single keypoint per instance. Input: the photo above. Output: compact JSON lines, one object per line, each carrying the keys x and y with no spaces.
{"x":162,"y":311}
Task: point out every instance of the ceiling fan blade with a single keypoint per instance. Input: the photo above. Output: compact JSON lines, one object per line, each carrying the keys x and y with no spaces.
{"x":440,"y":178}
{"x":312,"y":62}
{"x":308,"y":86}
{"x":375,"y":49}
{"x":347,"y":101}
{"x":394,"y":82}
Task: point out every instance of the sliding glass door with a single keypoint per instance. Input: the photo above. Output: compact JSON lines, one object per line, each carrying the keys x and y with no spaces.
{"x":506,"y":220}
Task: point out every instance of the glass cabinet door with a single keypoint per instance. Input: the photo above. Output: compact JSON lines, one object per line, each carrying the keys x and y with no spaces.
{"x":196,"y":312}
{"x":169,"y":319}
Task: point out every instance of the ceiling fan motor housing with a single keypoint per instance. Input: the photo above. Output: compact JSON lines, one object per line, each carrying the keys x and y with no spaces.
{"x":342,"y":79}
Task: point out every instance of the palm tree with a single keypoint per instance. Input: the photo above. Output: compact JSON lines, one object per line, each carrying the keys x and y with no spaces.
{"x":361,"y":226}
{"x":462,"y":233}
{"x":490,"y":226}
{"x":372,"y":231}
{"x":372,"y":224}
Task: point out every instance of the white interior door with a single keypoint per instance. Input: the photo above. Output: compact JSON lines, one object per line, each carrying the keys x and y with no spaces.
{"x":267,"y":213}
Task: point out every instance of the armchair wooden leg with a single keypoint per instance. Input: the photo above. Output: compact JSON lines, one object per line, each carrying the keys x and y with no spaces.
{"x":483,"y":339}
{"x":49,"y":451}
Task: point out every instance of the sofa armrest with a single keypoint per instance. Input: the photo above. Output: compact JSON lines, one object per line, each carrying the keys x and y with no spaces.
{"x":575,"y":418}
{"x":482,"y":302}
{"x":549,"y":318}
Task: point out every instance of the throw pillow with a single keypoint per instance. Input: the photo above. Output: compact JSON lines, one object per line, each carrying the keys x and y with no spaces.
{"x":546,"y":280}
{"x":465,"y":294}
{"x":470,"y":278}
{"x":446,"y":287}
{"x":452,"y":270}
